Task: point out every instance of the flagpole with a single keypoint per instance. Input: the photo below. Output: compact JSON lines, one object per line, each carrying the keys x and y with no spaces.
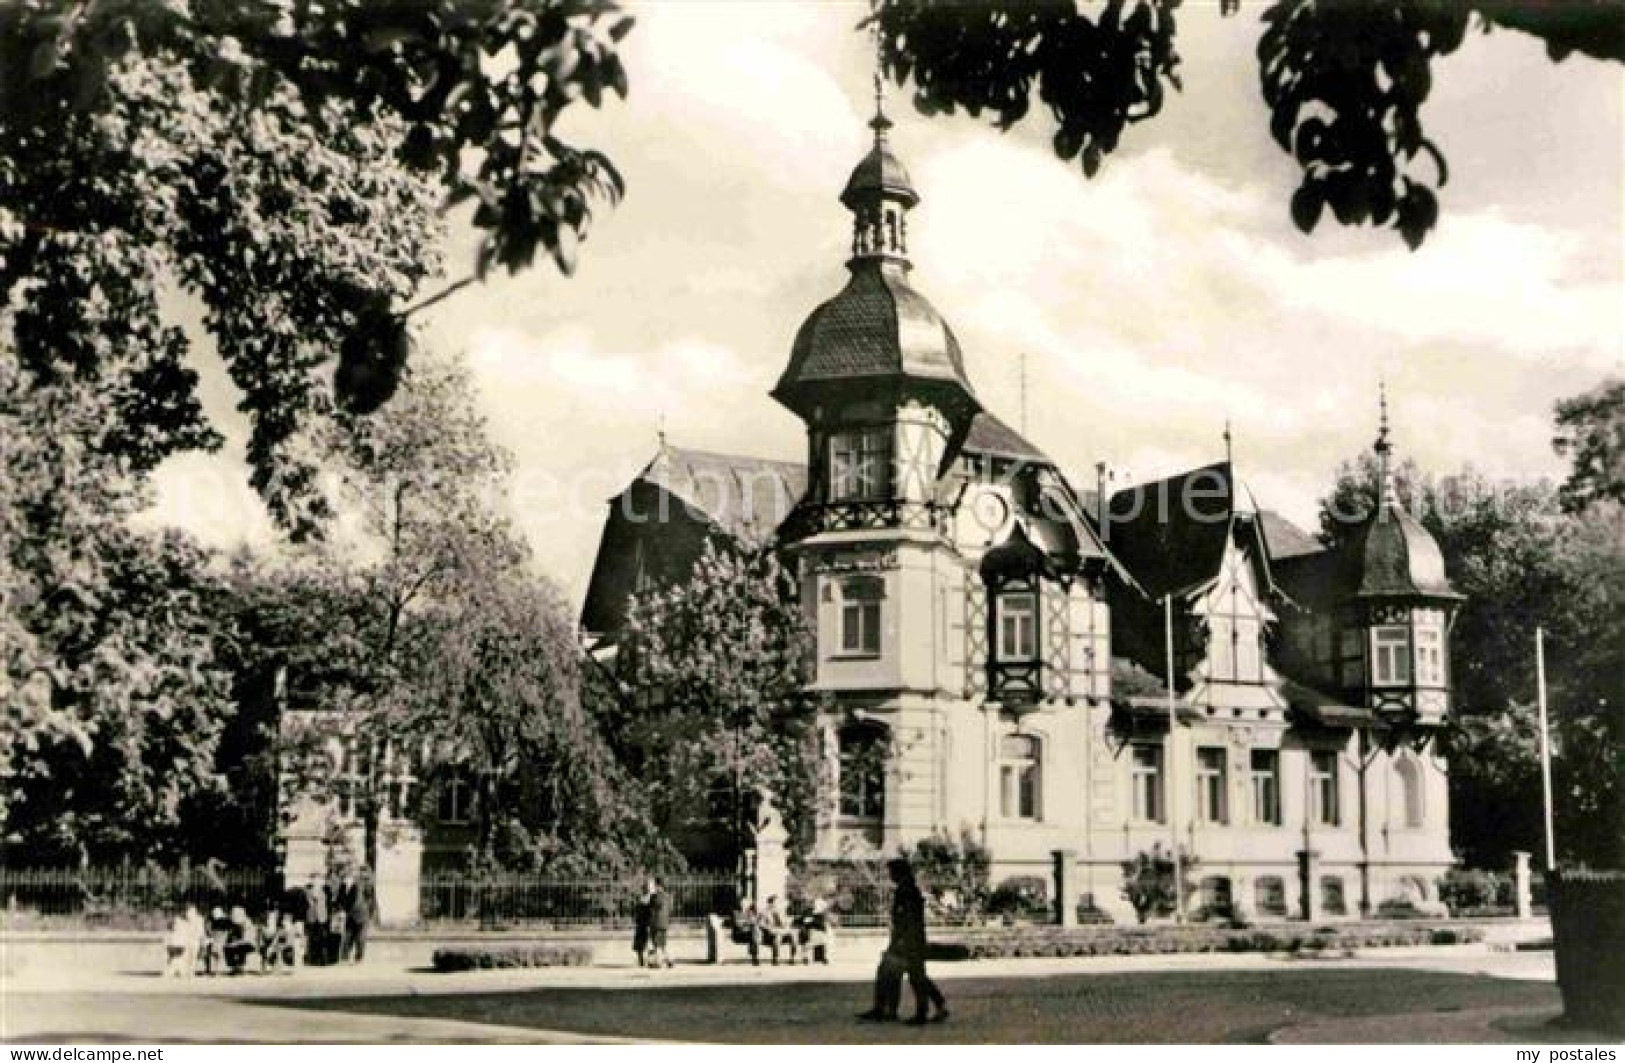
{"x":1173,"y":789}
{"x":1545,"y":748}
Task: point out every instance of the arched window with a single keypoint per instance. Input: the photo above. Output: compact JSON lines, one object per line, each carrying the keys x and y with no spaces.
{"x":1020,"y":777}
{"x":1409,"y":774}
{"x":863,"y":771}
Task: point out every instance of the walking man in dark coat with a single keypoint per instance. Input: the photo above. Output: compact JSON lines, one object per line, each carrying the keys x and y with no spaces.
{"x":905,"y":955}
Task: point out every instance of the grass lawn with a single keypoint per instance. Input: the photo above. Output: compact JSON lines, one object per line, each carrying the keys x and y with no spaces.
{"x":1173,"y":1007}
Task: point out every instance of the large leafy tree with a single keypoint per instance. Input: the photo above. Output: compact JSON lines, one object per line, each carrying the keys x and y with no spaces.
{"x":709,"y":707}
{"x":1345,"y":80}
{"x":112,"y":697}
{"x":447,"y":643}
{"x":1522,"y":563}
{"x":1591,"y":434}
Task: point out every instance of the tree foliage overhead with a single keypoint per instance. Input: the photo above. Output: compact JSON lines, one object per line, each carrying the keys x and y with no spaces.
{"x":1345,"y":80}
{"x":281,"y":161}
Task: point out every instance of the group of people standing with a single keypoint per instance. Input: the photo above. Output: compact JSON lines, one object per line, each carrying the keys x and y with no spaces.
{"x":336,"y":913}
{"x":322,"y":922}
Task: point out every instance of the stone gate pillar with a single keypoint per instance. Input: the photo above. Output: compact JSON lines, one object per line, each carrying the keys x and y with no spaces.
{"x":1065,"y":886}
{"x":1308,"y":873}
{"x":1523,"y":900}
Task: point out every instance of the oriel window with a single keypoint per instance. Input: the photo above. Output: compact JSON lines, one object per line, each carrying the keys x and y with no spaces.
{"x":861,"y":601}
{"x":1429,"y":657}
{"x":1018,"y":626}
{"x":1391,"y":655}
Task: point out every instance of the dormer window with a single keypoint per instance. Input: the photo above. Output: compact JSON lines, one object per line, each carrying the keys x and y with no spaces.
{"x":860,"y":464}
{"x":1391,"y":655}
{"x":1017,"y":624}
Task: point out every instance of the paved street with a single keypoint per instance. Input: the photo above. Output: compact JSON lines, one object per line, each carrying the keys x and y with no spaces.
{"x":1442,"y":995}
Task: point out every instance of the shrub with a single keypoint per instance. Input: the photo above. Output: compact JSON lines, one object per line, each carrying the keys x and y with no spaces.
{"x":511,"y":956}
{"x":1148,"y":882}
{"x":1023,"y":897}
{"x":1463,"y":889}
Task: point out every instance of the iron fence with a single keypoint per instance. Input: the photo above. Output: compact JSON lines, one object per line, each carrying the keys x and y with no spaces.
{"x":538,"y":901}
{"x":859,"y":894}
{"x":130,"y":896}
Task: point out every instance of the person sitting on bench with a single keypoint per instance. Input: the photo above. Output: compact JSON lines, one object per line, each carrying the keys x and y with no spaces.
{"x":776,"y":929}
{"x":241,"y":941}
{"x":816,"y":933}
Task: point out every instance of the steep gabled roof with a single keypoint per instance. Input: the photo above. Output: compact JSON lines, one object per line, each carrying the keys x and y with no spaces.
{"x":1171,"y":533}
{"x":744,"y":496}
{"x":1285,"y":539}
{"x":989,"y":435}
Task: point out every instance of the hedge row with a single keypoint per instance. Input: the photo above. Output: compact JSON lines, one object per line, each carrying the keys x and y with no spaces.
{"x":499,"y":958}
{"x":1068,"y":942}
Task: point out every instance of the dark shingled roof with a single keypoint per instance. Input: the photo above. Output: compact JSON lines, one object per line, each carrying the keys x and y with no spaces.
{"x":879,"y":171}
{"x":746,"y":497}
{"x":1171,"y":534}
{"x":1394,"y":556}
{"x":877,"y":326}
{"x":1286,"y":539}
{"x":989,"y":435}
{"x":1389,"y":556}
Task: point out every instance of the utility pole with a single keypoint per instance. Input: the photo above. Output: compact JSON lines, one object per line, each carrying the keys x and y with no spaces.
{"x":1173,"y":788}
{"x":1545,"y":749}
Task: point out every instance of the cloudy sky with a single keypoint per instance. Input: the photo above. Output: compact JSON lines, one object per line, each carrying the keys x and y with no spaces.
{"x":1151,"y":303}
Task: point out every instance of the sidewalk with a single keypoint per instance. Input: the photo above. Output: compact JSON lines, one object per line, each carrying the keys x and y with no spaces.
{"x":368,"y":980}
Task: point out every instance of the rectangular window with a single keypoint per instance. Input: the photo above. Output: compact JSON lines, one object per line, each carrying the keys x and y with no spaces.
{"x":1020,"y":773}
{"x":1429,"y":657}
{"x":1018,"y":626}
{"x":860,"y":629}
{"x":456,"y":797}
{"x":1391,"y":655}
{"x":1323,"y":787}
{"x":1210,"y":784}
{"x":860,"y":464}
{"x":1147,"y":783}
{"x":1266,"y":772}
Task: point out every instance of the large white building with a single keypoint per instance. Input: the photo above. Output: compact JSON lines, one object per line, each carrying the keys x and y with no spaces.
{"x":994,"y":640}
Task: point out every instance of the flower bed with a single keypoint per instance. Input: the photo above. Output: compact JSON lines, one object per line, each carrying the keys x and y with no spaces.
{"x":502,"y":958}
{"x":1057,"y":941}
